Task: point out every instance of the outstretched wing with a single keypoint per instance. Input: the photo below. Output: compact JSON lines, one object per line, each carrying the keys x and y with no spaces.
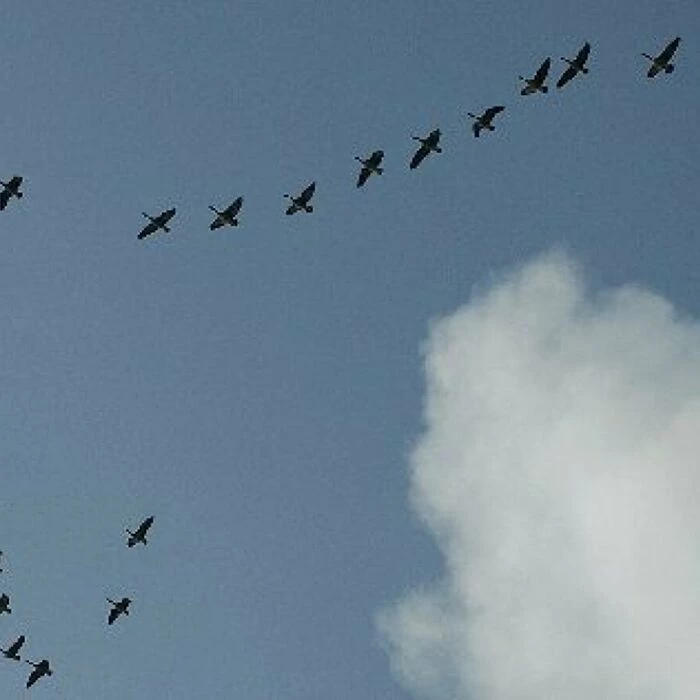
{"x":375,"y":159}
{"x":235,"y":207}
{"x":16,"y":646}
{"x":34,"y":676}
{"x":582,"y":55}
{"x":307,"y":194}
{"x":567,"y":75}
{"x":148,"y":229}
{"x":491,"y":112}
{"x":217,"y":223}
{"x":144,"y":526}
{"x":543,"y":71}
{"x":166,"y":216}
{"x":667,"y":54}
{"x":4,"y":198}
{"x":419,"y":156}
{"x":113,"y":615}
{"x":362,"y":177}
{"x":433,"y":138}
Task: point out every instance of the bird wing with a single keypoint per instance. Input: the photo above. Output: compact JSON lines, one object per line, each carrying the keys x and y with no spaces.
{"x":375,"y":159}
{"x":362,"y":177}
{"x":292,"y":209}
{"x":217,"y":223}
{"x":113,"y":615}
{"x":582,"y":55}
{"x":307,"y":194}
{"x":491,"y":112}
{"x":33,"y":678}
{"x":4,"y":198}
{"x":147,"y":230}
{"x":667,"y":54}
{"x":235,"y":207}
{"x":419,"y":156}
{"x":542,"y":71}
{"x":567,"y":75}
{"x":166,"y":216}
{"x":146,"y":524}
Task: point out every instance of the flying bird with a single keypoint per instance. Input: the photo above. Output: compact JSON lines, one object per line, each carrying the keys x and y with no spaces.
{"x":5,"y":604}
{"x":10,"y":189}
{"x":140,"y":534}
{"x":301,"y":203}
{"x":118,"y":608}
{"x":537,"y":82}
{"x":576,"y":66}
{"x":227,"y":217}
{"x":157,"y":222}
{"x":40,"y":669}
{"x":662,"y":62}
{"x":12,"y":651}
{"x":369,"y":166}
{"x":483,"y":121}
{"x":427,"y":145}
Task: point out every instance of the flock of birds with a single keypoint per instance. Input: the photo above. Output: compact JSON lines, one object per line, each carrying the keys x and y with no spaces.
{"x":301,"y":203}
{"x":119,"y":607}
{"x":372,"y":164}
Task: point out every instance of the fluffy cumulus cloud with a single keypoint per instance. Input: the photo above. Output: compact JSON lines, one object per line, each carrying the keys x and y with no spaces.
{"x":559,"y":472}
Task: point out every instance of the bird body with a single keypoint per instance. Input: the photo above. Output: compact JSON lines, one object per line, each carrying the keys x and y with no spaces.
{"x":484,"y":120}
{"x":576,"y":65}
{"x":662,"y":62}
{"x":537,"y":82}
{"x":10,"y":189}
{"x":140,"y":535}
{"x":12,"y":651}
{"x":227,"y":217}
{"x":429,"y":144}
{"x":301,"y":203}
{"x":120,"y":607}
{"x":369,"y":166}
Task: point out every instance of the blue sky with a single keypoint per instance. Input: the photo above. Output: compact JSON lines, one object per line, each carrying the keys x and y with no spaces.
{"x":259,"y":390}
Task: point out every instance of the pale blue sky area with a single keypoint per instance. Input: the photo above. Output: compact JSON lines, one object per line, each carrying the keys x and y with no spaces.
{"x":258,"y":389}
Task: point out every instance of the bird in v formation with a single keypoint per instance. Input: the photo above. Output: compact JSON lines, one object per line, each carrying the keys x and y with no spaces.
{"x":229,"y":216}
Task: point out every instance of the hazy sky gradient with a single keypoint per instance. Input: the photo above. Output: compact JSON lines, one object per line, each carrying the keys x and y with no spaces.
{"x":259,"y":390}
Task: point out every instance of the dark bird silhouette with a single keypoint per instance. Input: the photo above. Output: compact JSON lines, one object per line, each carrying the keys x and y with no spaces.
{"x":40,"y":669}
{"x":483,"y":121}
{"x":5,"y":604}
{"x":140,"y":534}
{"x":369,"y":166}
{"x":10,"y":189}
{"x":662,"y":62}
{"x":428,"y":145}
{"x":537,"y":82}
{"x":576,"y":66}
{"x":227,"y":217}
{"x":118,"y":608}
{"x":301,"y":203}
{"x":156,"y":223}
{"x":12,"y":651}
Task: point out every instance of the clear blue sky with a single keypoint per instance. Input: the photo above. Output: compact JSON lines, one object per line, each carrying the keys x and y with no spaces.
{"x":258,"y":390}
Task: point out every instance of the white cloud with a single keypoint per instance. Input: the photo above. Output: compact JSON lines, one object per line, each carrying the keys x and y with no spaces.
{"x":560,"y":474}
